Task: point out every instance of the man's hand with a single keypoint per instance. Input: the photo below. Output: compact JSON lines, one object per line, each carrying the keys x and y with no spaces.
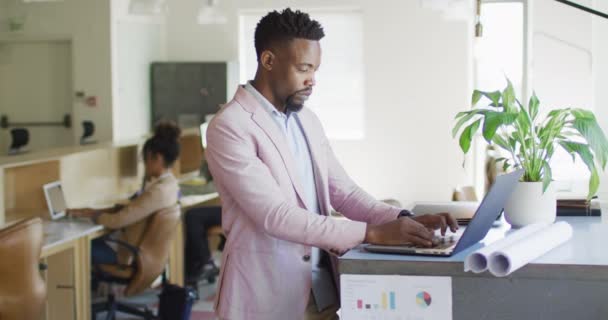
{"x":438,"y":221}
{"x":399,"y":231}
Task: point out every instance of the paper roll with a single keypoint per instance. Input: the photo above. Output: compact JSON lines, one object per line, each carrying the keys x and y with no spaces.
{"x":508,"y":259}
{"x":477,"y":261}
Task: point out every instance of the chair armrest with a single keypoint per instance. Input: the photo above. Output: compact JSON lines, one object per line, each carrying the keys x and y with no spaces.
{"x":131,"y":248}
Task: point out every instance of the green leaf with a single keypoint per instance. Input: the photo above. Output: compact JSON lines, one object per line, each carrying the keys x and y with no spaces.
{"x":476,"y":96}
{"x":505,"y":166}
{"x":493,"y":120}
{"x":512,"y":143}
{"x":462,"y":113}
{"x":533,"y":106}
{"x":498,"y":139}
{"x":553,"y":127}
{"x":594,"y":183}
{"x":585,"y":154}
{"x":586,"y":124}
{"x":556,"y":112}
{"x":494,"y":97}
{"x":467,"y":136}
{"x":582,"y":113}
{"x":508,"y":97}
{"x":550,"y":149}
{"x":524,"y":122}
{"x":468,"y":116}
{"x":547,"y":175}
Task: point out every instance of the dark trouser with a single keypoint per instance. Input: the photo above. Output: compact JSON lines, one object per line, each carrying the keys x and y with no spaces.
{"x":102,"y":253}
{"x":198,"y":220}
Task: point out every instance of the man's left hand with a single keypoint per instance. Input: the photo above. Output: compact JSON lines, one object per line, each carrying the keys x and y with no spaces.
{"x":438,"y":221}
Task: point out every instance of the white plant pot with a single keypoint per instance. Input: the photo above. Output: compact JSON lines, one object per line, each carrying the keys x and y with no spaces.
{"x":528,"y":205}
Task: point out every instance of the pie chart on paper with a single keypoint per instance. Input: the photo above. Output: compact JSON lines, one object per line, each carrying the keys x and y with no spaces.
{"x":423,"y":299}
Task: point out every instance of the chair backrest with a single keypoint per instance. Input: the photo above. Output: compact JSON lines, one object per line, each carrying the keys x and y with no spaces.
{"x":22,"y":289}
{"x":154,"y":248}
{"x":466,"y":193}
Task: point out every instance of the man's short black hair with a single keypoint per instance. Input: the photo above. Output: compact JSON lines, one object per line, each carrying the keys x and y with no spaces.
{"x":284,"y":26}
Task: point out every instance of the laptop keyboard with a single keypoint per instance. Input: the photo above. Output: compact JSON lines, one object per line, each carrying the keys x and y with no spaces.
{"x":440,"y":242}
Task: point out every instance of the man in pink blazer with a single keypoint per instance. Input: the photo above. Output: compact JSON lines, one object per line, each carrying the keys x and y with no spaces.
{"x":278,"y":178}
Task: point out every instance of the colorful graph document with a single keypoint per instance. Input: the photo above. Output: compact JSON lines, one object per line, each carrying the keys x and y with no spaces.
{"x":376,"y":297}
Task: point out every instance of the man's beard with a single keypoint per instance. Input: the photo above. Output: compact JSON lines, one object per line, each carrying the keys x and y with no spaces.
{"x":291,"y":105}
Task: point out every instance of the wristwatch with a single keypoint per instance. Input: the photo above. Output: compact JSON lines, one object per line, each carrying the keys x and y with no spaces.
{"x":404,"y":213}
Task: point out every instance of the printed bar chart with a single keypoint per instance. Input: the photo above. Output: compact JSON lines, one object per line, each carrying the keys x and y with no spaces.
{"x":384,"y":302}
{"x":380,"y":297}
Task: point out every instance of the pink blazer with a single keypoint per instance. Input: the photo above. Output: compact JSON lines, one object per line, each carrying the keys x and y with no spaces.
{"x":266,"y":273}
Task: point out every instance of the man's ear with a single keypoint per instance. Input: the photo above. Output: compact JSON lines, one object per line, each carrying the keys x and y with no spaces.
{"x":267,"y":59}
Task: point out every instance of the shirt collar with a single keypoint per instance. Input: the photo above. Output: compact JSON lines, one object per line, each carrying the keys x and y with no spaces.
{"x":264,"y":102}
{"x":154,"y":180}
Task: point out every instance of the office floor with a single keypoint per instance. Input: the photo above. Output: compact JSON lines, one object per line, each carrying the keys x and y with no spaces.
{"x":201,"y":310}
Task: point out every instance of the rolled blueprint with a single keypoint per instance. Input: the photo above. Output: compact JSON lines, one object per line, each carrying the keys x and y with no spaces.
{"x":477,"y":261}
{"x":518,"y":254}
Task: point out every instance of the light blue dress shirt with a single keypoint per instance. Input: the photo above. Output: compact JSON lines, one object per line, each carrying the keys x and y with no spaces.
{"x":290,"y":125}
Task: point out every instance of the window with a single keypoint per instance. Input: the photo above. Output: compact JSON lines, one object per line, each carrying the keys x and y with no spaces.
{"x":338,"y":98}
{"x":498,"y":54}
{"x":562,"y":77}
{"x":560,"y":70}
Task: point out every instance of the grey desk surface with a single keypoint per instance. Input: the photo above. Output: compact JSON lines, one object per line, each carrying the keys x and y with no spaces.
{"x":550,"y":288}
{"x":58,"y":232}
{"x":585,"y":252}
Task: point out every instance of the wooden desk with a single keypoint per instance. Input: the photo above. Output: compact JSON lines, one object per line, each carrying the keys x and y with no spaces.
{"x":193,"y":201}
{"x":63,"y":236}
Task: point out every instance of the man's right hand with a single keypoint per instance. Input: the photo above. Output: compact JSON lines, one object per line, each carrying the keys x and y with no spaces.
{"x":399,"y":231}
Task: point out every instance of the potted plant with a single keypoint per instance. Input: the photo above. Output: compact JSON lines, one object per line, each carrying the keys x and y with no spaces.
{"x":530,"y":141}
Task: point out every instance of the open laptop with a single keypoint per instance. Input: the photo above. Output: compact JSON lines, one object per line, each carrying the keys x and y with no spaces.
{"x":491,"y":206}
{"x":55,"y":200}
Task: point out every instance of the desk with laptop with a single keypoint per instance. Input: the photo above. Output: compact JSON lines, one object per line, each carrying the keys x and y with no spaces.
{"x":63,"y":234}
{"x":569,"y":282}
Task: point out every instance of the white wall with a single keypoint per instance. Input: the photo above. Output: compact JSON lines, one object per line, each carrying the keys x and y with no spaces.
{"x":136,"y":42}
{"x":3,"y":16}
{"x":36,"y":86}
{"x":417,"y":73}
{"x":87,"y":24}
{"x":569,"y":70}
{"x":600,"y":72}
{"x":562,"y":57}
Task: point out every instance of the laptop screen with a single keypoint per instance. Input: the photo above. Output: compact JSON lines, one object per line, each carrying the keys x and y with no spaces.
{"x":490,"y":208}
{"x":55,"y":200}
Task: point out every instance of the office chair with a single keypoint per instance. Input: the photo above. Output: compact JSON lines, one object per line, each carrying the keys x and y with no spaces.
{"x":88,"y":129}
{"x":148,"y":263}
{"x":465,"y":193}
{"x":20,"y":138}
{"x":22,"y":289}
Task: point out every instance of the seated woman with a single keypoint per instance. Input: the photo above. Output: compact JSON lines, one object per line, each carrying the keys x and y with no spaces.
{"x":160,"y":190}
